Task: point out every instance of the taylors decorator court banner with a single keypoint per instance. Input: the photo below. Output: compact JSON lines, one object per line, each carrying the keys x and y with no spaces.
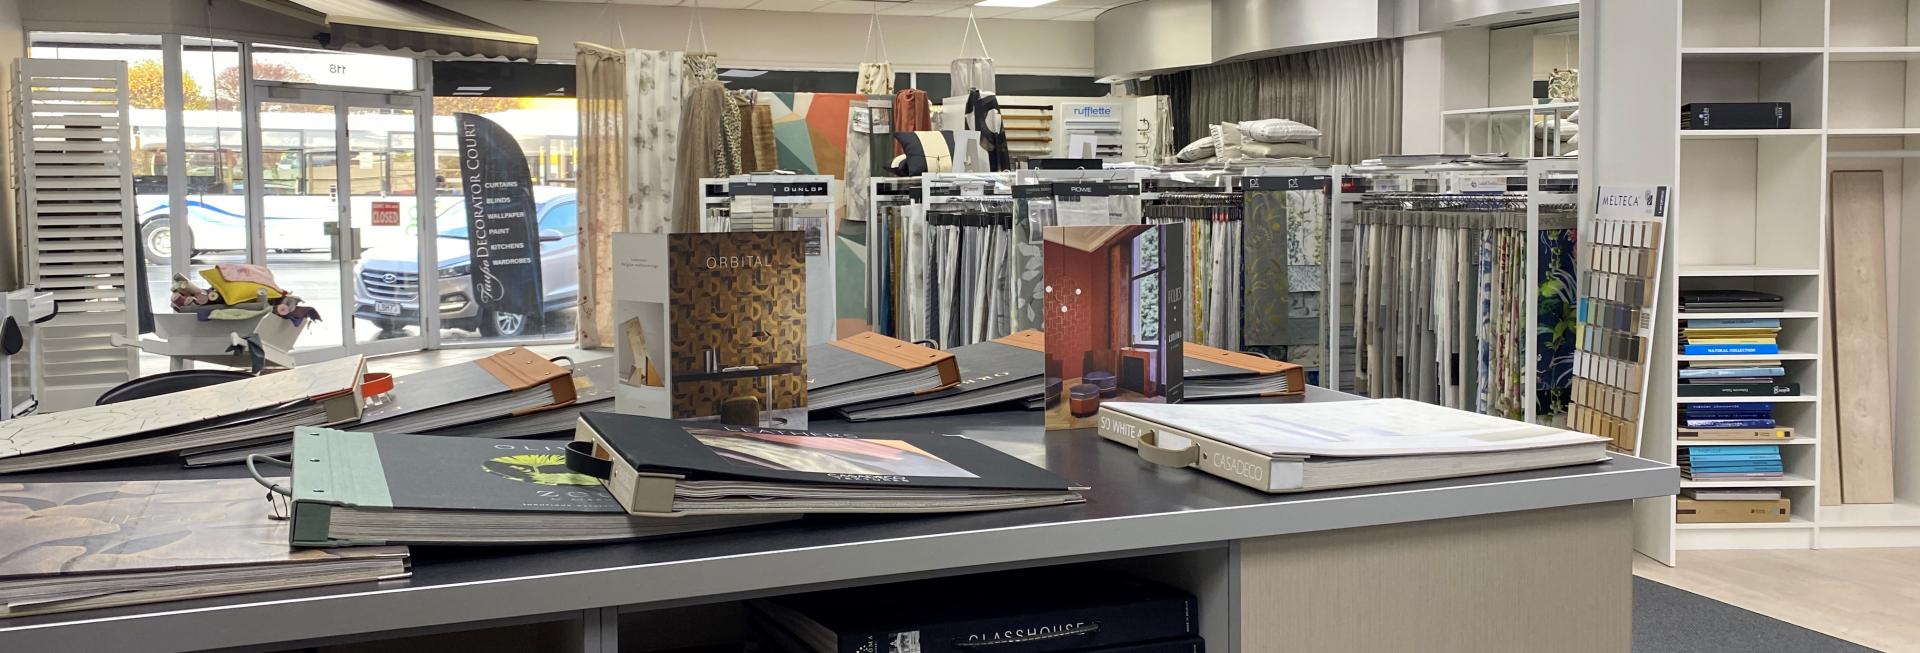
{"x":503,"y":234}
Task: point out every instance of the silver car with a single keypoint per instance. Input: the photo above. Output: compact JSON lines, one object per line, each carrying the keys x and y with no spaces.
{"x":386,"y":287}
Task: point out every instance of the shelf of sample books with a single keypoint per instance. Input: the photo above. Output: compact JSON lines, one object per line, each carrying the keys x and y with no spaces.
{"x":1795,"y":521}
{"x":1754,"y":315}
{"x":1744,"y":400}
{"x":1695,"y":442}
{"x":1784,"y":355}
{"x":1745,"y":271}
{"x":1788,"y":480}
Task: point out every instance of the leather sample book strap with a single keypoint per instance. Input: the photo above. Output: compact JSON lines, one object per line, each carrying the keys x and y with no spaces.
{"x":1315,"y":446}
{"x":870,"y":367}
{"x":75,"y":546}
{"x":1003,"y":369}
{"x":356,"y":489}
{"x":1043,"y":610}
{"x":507,"y":383}
{"x":1217,"y":373}
{"x":660,"y":467}
{"x":321,"y":394}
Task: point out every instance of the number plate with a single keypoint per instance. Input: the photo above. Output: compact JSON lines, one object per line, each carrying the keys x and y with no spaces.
{"x":386,"y":308}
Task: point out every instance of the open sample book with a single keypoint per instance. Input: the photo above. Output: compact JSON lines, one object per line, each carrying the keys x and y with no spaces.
{"x":663,"y":467}
{"x":75,"y":546}
{"x":871,"y":367}
{"x":1314,"y":446}
{"x":247,"y":410}
{"x":352,"y":489}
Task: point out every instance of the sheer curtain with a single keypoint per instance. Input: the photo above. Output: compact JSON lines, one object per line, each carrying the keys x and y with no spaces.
{"x":1351,"y":92}
{"x":630,"y":104}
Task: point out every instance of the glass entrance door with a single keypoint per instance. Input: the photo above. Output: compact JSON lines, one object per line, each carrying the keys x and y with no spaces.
{"x":341,"y":226}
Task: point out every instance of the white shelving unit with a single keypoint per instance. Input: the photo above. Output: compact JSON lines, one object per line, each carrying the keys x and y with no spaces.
{"x":1750,"y":210}
{"x":1519,"y":130}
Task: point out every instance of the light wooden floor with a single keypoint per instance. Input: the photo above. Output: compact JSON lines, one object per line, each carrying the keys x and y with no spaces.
{"x":1867,"y":596}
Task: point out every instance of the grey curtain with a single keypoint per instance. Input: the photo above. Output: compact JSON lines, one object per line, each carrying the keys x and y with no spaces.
{"x":1352,"y":93}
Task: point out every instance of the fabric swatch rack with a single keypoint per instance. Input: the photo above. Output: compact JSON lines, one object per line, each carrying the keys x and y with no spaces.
{"x":956,"y":271}
{"x":893,"y":199}
{"x":1464,"y":298}
{"x":1209,"y":204}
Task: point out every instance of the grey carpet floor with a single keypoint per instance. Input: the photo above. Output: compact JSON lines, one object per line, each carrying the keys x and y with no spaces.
{"x":1670,"y":620}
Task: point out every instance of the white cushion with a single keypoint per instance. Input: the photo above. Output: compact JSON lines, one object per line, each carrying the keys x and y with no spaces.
{"x":1278,"y":130}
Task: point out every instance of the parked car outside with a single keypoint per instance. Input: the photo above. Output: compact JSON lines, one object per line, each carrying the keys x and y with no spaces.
{"x":386,"y":285}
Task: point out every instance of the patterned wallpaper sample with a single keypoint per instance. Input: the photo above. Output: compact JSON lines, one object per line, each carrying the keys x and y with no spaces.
{"x":75,"y":528}
{"x":741,"y":295}
{"x":1265,"y":302}
{"x":95,"y":424}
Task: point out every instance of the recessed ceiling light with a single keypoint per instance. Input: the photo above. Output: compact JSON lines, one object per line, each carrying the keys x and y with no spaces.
{"x":736,"y":72}
{"x":1024,"y":4}
{"x":473,"y":88}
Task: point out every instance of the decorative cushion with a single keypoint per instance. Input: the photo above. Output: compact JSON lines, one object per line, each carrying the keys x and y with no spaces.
{"x":1278,"y":130}
{"x":1197,"y":150}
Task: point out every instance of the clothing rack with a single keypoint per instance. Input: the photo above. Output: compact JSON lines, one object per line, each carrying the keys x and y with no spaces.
{"x":1463,"y":295}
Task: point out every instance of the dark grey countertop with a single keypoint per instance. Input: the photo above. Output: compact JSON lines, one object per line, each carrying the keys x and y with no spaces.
{"x":1133,"y":507}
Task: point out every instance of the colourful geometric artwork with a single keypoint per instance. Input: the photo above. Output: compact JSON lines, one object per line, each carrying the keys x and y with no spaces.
{"x":810,"y":132}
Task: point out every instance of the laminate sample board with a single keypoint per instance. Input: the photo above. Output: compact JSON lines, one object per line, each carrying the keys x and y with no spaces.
{"x":1864,"y":401}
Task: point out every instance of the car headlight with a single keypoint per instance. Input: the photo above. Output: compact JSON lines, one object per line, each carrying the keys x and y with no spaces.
{"x":460,"y":270}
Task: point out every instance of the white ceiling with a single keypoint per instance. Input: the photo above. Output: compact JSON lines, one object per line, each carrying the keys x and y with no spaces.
{"x":1056,"y":10}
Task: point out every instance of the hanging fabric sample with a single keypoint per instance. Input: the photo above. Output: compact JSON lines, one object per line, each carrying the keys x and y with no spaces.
{"x":911,"y":113}
{"x":603,"y":183}
{"x":983,"y":115}
{"x":766,"y":150}
{"x":876,"y":74}
{"x":852,"y":240}
{"x":733,"y":133}
{"x":703,"y":151}
{"x":972,"y":73}
{"x":655,"y":97}
{"x":1442,"y":301}
{"x":1285,"y":248}
{"x":1213,"y":221}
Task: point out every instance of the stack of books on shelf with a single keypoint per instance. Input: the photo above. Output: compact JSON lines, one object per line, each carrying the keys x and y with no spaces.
{"x":1746,"y":505}
{"x":1732,"y":421}
{"x":1064,"y":610}
{"x":1734,"y":464}
{"x":1756,"y":337}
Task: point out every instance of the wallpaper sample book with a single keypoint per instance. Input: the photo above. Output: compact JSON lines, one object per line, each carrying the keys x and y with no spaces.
{"x":238,"y":411}
{"x":991,"y":372}
{"x":1032,"y":611}
{"x":593,"y":384}
{"x":870,"y":366}
{"x":1211,"y":373}
{"x":712,"y":326}
{"x":1297,"y":447}
{"x":74,"y":546}
{"x":661,"y":467}
{"x":512,"y":382}
{"x":354,"y":489}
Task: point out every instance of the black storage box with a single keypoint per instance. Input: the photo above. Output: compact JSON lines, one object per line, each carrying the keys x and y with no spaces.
{"x":1736,"y":115}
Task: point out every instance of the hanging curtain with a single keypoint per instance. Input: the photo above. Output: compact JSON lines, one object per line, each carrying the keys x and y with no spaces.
{"x":1351,"y":93}
{"x":629,"y":124}
{"x":766,"y":152}
{"x":971,"y":73}
{"x":599,"y":75}
{"x":703,"y":151}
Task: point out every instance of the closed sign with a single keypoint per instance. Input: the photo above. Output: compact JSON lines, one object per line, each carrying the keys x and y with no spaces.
{"x":386,"y":214}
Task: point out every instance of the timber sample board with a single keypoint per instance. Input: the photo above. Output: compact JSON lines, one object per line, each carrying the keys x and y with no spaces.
{"x":1864,"y":405}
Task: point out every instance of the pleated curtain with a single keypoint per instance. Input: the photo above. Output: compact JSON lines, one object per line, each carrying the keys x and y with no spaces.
{"x":1351,"y":93}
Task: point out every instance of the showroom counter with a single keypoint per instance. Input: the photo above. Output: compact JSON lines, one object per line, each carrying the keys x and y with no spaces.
{"x":1555,"y":543}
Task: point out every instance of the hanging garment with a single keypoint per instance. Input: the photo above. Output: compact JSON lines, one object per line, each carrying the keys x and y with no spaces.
{"x":703,"y":152}
{"x":983,"y":115}
{"x":875,"y":79}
